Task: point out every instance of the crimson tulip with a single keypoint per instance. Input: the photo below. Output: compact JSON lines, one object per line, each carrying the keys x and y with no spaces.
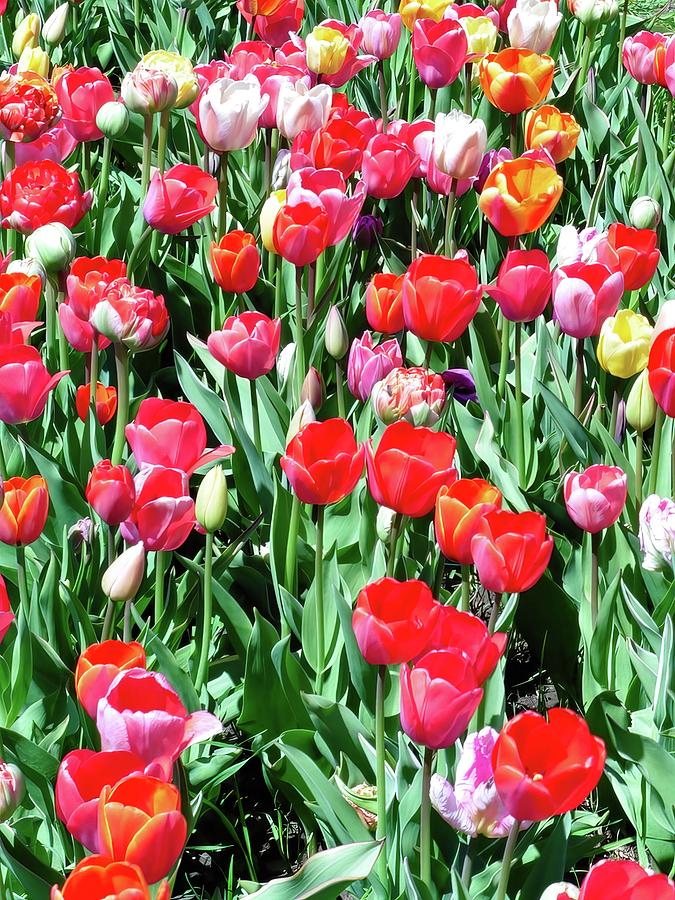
{"x":323,"y":462}
{"x":247,"y":344}
{"x":25,"y":384}
{"x":35,"y":194}
{"x":460,"y":509}
{"x":301,"y":232}
{"x":179,"y":198}
{"x":439,"y":50}
{"x":235,"y":262}
{"x":100,"y":878}
{"x":661,"y":368}
{"x":440,"y":297}
{"x":511,"y":550}
{"x":633,"y":252}
{"x":6,"y":614}
{"x":388,"y":165}
{"x":596,"y":497}
{"x":523,"y":285}
{"x":546,"y":767}
{"x":625,"y":879}
{"x":82,"y":92}
{"x":467,"y":634}
{"x":99,"y":665}
{"x":106,"y":402}
{"x":163,"y":514}
{"x":24,"y":510}
{"x":384,"y":303}
{"x":110,"y":492}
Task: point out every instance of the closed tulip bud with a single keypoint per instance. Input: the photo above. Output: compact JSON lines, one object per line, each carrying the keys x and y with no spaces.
{"x":641,"y":405}
{"x":367,"y":229}
{"x":148,"y":91}
{"x":29,"y":266}
{"x":26,"y":34}
{"x":12,"y":789}
{"x":54,"y":29}
{"x":268,"y":215}
{"x":313,"y":391}
{"x":303,"y":415}
{"x":281,"y":171}
{"x":645,"y":213}
{"x":53,"y":245}
{"x":384,"y":523}
{"x":337,"y":339}
{"x":34,"y":59}
{"x":123,"y":577}
{"x":211,"y":502}
{"x":284,"y":363}
{"x":327,"y":49}
{"x":459,"y":144}
{"x":112,"y":119}
{"x":593,"y":12}
{"x":532,"y":24}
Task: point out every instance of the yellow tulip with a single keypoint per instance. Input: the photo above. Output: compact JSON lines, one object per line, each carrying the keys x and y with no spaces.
{"x":412,"y":10}
{"x":327,"y":49}
{"x":26,"y":34}
{"x":34,"y":59}
{"x":268,"y":215}
{"x":641,"y":405}
{"x":180,"y":69}
{"x":624,"y":342}
{"x":481,"y":35}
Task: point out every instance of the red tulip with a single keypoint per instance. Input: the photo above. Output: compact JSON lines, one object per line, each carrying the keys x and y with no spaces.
{"x":546,"y":768}
{"x":338,"y":145}
{"x":523,"y":285}
{"x":36,"y":194}
{"x":327,"y":188}
{"x":323,"y":462}
{"x":247,"y":344}
{"x":278,"y":28}
{"x":247,"y":55}
{"x":392,"y":621}
{"x":611,"y":879}
{"x":110,"y":492}
{"x":106,"y":402}
{"x":439,"y":695}
{"x":409,"y":468}
{"x":172,"y":434}
{"x":81,"y":94}
{"x":25,"y":384}
{"x":661,"y":367}
{"x":28,"y":106}
{"x":24,"y":511}
{"x":388,"y":165}
{"x":511,"y":551}
{"x":384,"y":303}
{"x":301,"y":232}
{"x":99,"y":878}
{"x":99,"y":665}
{"x":235,"y":262}
{"x":460,"y":509}
{"x":163,"y":514}
{"x":439,"y":51}
{"x":465,"y":633}
{"x":633,"y":251}
{"x":179,"y":198}
{"x":596,"y":497}
{"x":440,"y":297}
{"x":6,"y":614}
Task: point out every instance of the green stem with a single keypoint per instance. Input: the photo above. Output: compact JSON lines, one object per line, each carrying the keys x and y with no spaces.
{"x":207,"y":616}
{"x":340,"y":390}
{"x":122,"y":365}
{"x":255,"y":415}
{"x":393,"y":542}
{"x":639,"y":445}
{"x":513,"y":139}
{"x":278,"y":278}
{"x":161,"y":563}
{"x":137,"y":25}
{"x":467,"y":865}
{"x":465,"y":602}
{"x":3,"y":461}
{"x":291,"y":568}
{"x":383,"y":94}
{"x":506,"y":861}
{"x":299,"y":337}
{"x":520,"y":433}
{"x":450,"y":218}
{"x":127,"y":620}
{"x":504,"y":356}
{"x":222,"y":196}
{"x":413,"y":220}
{"x":50,"y":324}
{"x":595,"y":546}
{"x":622,"y":37}
{"x":86,"y":165}
{"x":102,"y":192}
{"x":318,"y":596}
{"x":640,"y":155}
{"x":656,"y":450}
{"x":412,"y":84}
{"x":667,"y":126}
{"x":589,"y":40}
{"x":425,"y":818}
{"x":146,"y":163}
{"x":579,"y":382}
{"x":380,"y":772}
{"x":24,"y":596}
{"x":63,"y":343}
{"x":494,"y":615}
{"x":106,"y":633}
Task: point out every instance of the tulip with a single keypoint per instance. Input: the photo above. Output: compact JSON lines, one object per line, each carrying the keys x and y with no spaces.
{"x":28,"y":107}
{"x":523,"y":285}
{"x":246,"y":55}
{"x":149,"y":91}
{"x":40,"y":193}
{"x":460,"y":509}
{"x":409,"y":467}
{"x":300,"y":108}
{"x":668,"y":79}
{"x":626,"y":879}
{"x":381,"y":33}
{"x":641,"y":405}
{"x":268,"y":216}
{"x":99,"y":665}
{"x":130,"y":315}
{"x":24,"y":511}
{"x":110,"y":492}
{"x":122,"y":579}
{"x":633,"y":251}
{"x":657,"y":533}
{"x":665,"y":318}
{"x":438,"y":697}
{"x":6,"y":614}
{"x":392,"y":621}
{"x":12,"y":790}
{"x":519,"y":195}
{"x":332,"y":52}
{"x":141,"y":712}
{"x":645,"y":213}
{"x":247,"y":344}
{"x":514,"y":80}
{"x":472,"y":805}
{"x":229,"y":112}
{"x":413,"y":10}
{"x":20,"y":296}
{"x":178,"y":198}
{"x":313,"y":390}
{"x":235,"y":262}
{"x":53,"y":246}
{"x":593,"y":12}
{"x":327,"y":188}
{"x":596,"y":497}
{"x":367,"y":231}
{"x":336,"y":338}
{"x":644,"y":57}
{"x":26,"y":34}
{"x":439,"y":51}
{"x":211,"y":503}
{"x":661,"y":368}
{"x":179,"y":68}
{"x":54,"y":28}
{"x":418,"y":137}
{"x":338,"y":145}
{"x":369,"y":364}
{"x":623,"y":346}
{"x":270,"y":77}
{"x":511,"y":551}
{"x":416,"y":395}
{"x":440,"y":297}
{"x":106,"y":402}
{"x":163,"y":513}
{"x":99,"y":878}
{"x":481,"y":34}
{"x":388,"y":166}
{"x":303,"y":415}
{"x":459,"y":144}
{"x":25,"y":384}
{"x":301,"y":232}
{"x":466,"y":634}
{"x":533,"y":24}
{"x":545,"y":768}
{"x":384,"y":303}
{"x":584,"y":295}
{"x":86,"y":283}
{"x":81,"y":94}
{"x":323,"y":462}
{"x":551,"y":130}
{"x":462,"y":385}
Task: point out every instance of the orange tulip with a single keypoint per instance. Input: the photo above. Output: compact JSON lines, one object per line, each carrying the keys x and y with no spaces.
{"x":106,"y":402}
{"x":99,"y":878}
{"x":460,"y":509}
{"x":20,"y":296}
{"x":514,"y":80}
{"x":99,"y":665}
{"x":519,"y":195}
{"x":24,"y":512}
{"x":554,"y":131}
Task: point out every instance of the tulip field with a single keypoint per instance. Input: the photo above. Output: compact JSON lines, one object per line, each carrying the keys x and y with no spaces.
{"x":337,"y":419}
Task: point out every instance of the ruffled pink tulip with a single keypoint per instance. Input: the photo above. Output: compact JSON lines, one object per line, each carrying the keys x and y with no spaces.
{"x":328,"y":188}
{"x":25,"y":384}
{"x":179,"y":198}
{"x":130,"y":315}
{"x":381,"y":33}
{"x":247,"y":344}
{"x":81,"y":94}
{"x":584,"y":295}
{"x":595,"y":497}
{"x":163,"y":514}
{"x":523,"y":285}
{"x":439,"y":51}
{"x":368,"y":364}
{"x":388,"y":165}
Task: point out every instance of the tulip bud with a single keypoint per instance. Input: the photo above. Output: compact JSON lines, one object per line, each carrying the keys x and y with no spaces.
{"x":211,"y":503}
{"x":29,"y":266}
{"x":80,"y":533}
{"x":384,"y":523}
{"x":303,"y":415}
{"x":313,"y":389}
{"x":53,"y":245}
{"x":26,"y":34}
{"x":367,"y":229}
{"x":284,"y":363}
{"x":12,"y":789}
{"x":337,"y":339}
{"x":641,"y":405}
{"x":281,"y":171}
{"x":148,"y":91}
{"x":645,"y":213}
{"x":594,"y":12}
{"x":34,"y":59}
{"x":112,"y":119}
{"x":54,"y":29}
{"x":268,"y":215}
{"x":123,"y":577}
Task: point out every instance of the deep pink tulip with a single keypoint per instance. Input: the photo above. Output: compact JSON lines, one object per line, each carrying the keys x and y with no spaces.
{"x":439,"y":51}
{"x":388,"y":165}
{"x":81,"y":94}
{"x":179,"y":198}
{"x":57,"y":143}
{"x":172,"y":434}
{"x":328,"y":188}
{"x":6,"y":614}
{"x":163,"y":514}
{"x":79,"y":333}
{"x":142,"y":713}
{"x":110,"y":491}
{"x":206,"y":74}
{"x":595,"y":497}
{"x":523,"y":285}
{"x":584,"y":295}
{"x":419,"y":136}
{"x":247,"y":344}
{"x":369,"y":364}
{"x":25,"y":384}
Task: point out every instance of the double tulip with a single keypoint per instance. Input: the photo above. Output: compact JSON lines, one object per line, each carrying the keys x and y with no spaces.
{"x":416,"y":395}
{"x":130,"y":315}
{"x":39,"y":193}
{"x":323,"y":462}
{"x":368,"y":364}
{"x":28,"y":107}
{"x":440,"y":297}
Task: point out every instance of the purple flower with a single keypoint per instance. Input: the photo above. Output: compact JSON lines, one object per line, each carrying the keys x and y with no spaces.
{"x":367,"y":229}
{"x":462,"y":385}
{"x":491,"y":159}
{"x":368,"y":364}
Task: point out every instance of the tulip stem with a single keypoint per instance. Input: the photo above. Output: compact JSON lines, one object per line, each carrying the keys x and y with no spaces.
{"x":504,"y":357}
{"x":467,"y":865}
{"x":24,"y":596}
{"x":146,"y":162}
{"x":383,"y":94}
{"x":450,"y":218}
{"x":638,"y":469}
{"x":102,"y":193}
{"x":520,"y":433}
{"x":622,"y":36}
{"x":106,"y":632}
{"x":127,"y":620}
{"x":589,"y":40}
{"x":86,"y":165}
{"x":656,"y":450}
{"x":137,"y":25}
{"x":595,"y":546}
{"x":255,"y":415}
{"x":63,"y":343}
{"x":507,"y":859}
{"x":425,"y":818}
{"x":122,"y":366}
{"x":138,"y":246}
{"x":50,"y":324}
{"x":413,"y":221}
{"x":161,"y":560}
{"x":393,"y":541}
{"x":290,"y":568}
{"x":3,"y":461}
{"x":380,"y":774}
{"x":318,"y":597}
{"x":299,"y":349}
{"x":412,"y":84}
{"x":340,"y":390}
{"x":579,"y":384}
{"x":207,"y":615}
{"x":222,"y":195}
{"x":465,"y":603}
{"x":513,"y":139}
{"x":667,"y":126}
{"x":494,"y":615}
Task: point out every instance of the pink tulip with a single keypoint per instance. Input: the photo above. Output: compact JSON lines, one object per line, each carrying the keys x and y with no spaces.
{"x":246,"y":55}
{"x":354,"y":62}
{"x":644,"y":57}
{"x":388,"y":165}
{"x":523,"y":285}
{"x":56,"y":144}
{"x":179,"y":198}
{"x":368,"y":364}
{"x":419,"y":136}
{"x":206,"y":74}
{"x":79,"y":333}
{"x":381,"y":33}
{"x":584,"y":295}
{"x":271,"y":77}
{"x":328,"y":188}
{"x":247,"y":344}
{"x":163,"y":514}
{"x":439,"y":51}
{"x":595,"y":498}
{"x":142,"y":713}
{"x":25,"y":384}
{"x":82,"y":92}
